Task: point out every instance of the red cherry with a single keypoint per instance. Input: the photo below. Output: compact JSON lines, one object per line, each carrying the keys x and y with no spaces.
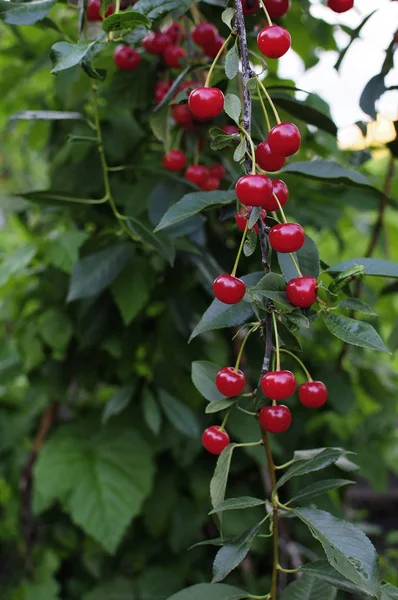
{"x":181,"y":114}
{"x":242,"y":216}
{"x":174,"y":160}
{"x":111,"y":10}
{"x":275,"y":419}
{"x":185,"y":85}
{"x":274,"y":41}
{"x":196,"y":173}
{"x":286,"y":237}
{"x":126,"y":58}
{"x":302,"y":291}
{"x":313,"y":394}
{"x":277,"y":8}
{"x":204,"y":33}
{"x":93,"y":10}
{"x":217,"y":171}
{"x":340,"y":6}
{"x":161,"y":89}
{"x":213,"y":49}
{"x":250,"y":6}
{"x":229,"y":289}
{"x":284,"y":139}
{"x":230,"y":129}
{"x":278,"y":385}
{"x":174,"y":56}
{"x":210,"y":184}
{"x":230,"y":382}
{"x":281,"y":191}
{"x":175,"y":33}
{"x":267,"y":160}
{"x":253,"y":190}
{"x":215,"y":440}
{"x":155,"y":42}
{"x":206,"y":103}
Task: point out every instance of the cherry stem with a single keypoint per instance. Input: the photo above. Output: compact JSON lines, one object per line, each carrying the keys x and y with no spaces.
{"x":213,"y":64}
{"x":280,"y":207}
{"x":269,"y":100}
{"x":238,"y":359}
{"x":277,"y":348}
{"x":195,"y":14}
{"x":225,"y":419}
{"x":252,"y":150}
{"x":263,"y":107}
{"x":266,"y":13}
{"x":247,"y":412}
{"x":282,"y":570}
{"x":295,"y":264}
{"x":117,"y":7}
{"x":233,"y":273}
{"x":248,"y":444}
{"x":300,"y":362}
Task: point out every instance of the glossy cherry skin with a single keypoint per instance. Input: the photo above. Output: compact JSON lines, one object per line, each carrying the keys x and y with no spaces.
{"x":250,"y":6}
{"x":217,"y":171}
{"x":275,"y":419}
{"x":229,"y":289}
{"x":214,"y":440}
{"x":181,"y":114}
{"x":161,"y":89}
{"x":284,"y":139}
{"x":274,"y":41}
{"x":243,"y":215}
{"x":126,"y":58}
{"x":286,"y":237}
{"x":196,"y":173}
{"x":175,"y":33}
{"x":174,"y":56}
{"x":206,"y":103}
{"x":267,"y":160}
{"x":213,"y":49}
{"x":313,"y":394}
{"x":277,"y":8}
{"x":210,"y":184}
{"x":253,"y":190}
{"x":230,"y":382}
{"x":155,"y":42}
{"x":174,"y":160}
{"x":302,"y":291}
{"x":204,"y":33}
{"x":281,"y":191}
{"x":340,"y":6}
{"x":278,"y":385}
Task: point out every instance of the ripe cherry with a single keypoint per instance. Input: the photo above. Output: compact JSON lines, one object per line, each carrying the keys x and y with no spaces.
{"x":230,"y":129}
{"x":175,"y":33}
{"x":253,"y":190}
{"x":281,"y":191}
{"x":243,"y":215}
{"x":250,"y":6}
{"x":206,"y":103}
{"x":277,"y":8}
{"x":181,"y":114}
{"x":275,"y":419}
{"x":230,"y":382}
{"x":155,"y":42}
{"x":213,"y":48}
{"x":286,"y":237}
{"x":161,"y":89}
{"x":302,"y":291}
{"x":229,"y":289}
{"x":284,"y":139}
{"x":204,"y":33}
{"x":126,"y":58}
{"x":340,"y":6}
{"x":217,"y":171}
{"x":196,"y":173}
{"x":214,"y":439}
{"x":174,"y":56}
{"x":93,"y":10}
{"x":274,"y":41}
{"x":267,"y":160}
{"x":174,"y":160}
{"x":278,"y":385}
{"x":313,"y":394}
{"x":210,"y":184}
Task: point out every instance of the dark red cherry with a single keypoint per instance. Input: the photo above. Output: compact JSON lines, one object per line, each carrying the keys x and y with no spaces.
{"x":93,"y":10}
{"x":174,"y":160}
{"x":217,"y":170}
{"x":277,"y":8}
{"x":230,"y":382}
{"x":206,"y":103}
{"x":196,"y":173}
{"x":243,"y":215}
{"x":210,"y":184}
{"x":274,"y":41}
{"x":278,"y":385}
{"x":215,"y":440}
{"x":175,"y":33}
{"x":161,"y":89}
{"x":253,"y":190}
{"x":281,"y":191}
{"x":286,"y":237}
{"x":313,"y":394}
{"x":275,"y":419}
{"x":126,"y":58}
{"x":229,"y":289}
{"x":230,"y":129}
{"x":213,"y":49}
{"x":340,"y":6}
{"x":250,"y":6}
{"x":302,"y":291}
{"x":181,"y":114}
{"x":174,"y":56}
{"x":284,"y":139}
{"x":204,"y":33}
{"x":267,"y":160}
{"x":155,"y":42}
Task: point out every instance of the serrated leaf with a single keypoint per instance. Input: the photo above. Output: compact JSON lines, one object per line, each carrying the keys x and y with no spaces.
{"x":240,"y":150}
{"x":159,"y":241}
{"x":322,"y":460}
{"x":181,"y":416}
{"x":271,"y":286}
{"x":232,"y":62}
{"x":210,"y":591}
{"x":237,"y":504}
{"x":155,"y":9}
{"x":321,"y":569}
{"x":373,"y":266}
{"x":358,"y":305}
{"x":217,"y":405}
{"x":227,"y":15}
{"x":125,"y":20}
{"x":218,"y":483}
{"x":351,"y":331}
{"x":342,"y":463}
{"x":151,"y":411}
{"x":118,"y":402}
{"x":232,"y":554}
{"x":250,"y":244}
{"x":321,"y":487}
{"x":219,"y":142}
{"x":203,"y":375}
{"x":309,"y":588}
{"x":25,"y":13}
{"x":233,"y":107}
{"x":192,"y":204}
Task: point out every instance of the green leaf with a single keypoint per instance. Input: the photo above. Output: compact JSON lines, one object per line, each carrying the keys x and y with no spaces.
{"x":65,"y":55}
{"x":389,"y":592}
{"x":155,"y":9}
{"x":373,"y":266}
{"x":237,"y":504}
{"x":210,"y":591}
{"x":342,"y":463}
{"x":96,"y":271}
{"x":351,"y":331}
{"x":233,"y":107}
{"x":55,"y":328}
{"x":232,"y":62}
{"x":16,"y":262}
{"x":159,"y":241}
{"x":250,"y":244}
{"x":46,"y":115}
{"x":327,"y":457}
{"x":240,"y":150}
{"x":221,"y":404}
{"x":220,"y":315}
{"x":231,"y":554}
{"x":171,"y":94}
{"x":358,"y":305}
{"x":25,"y":13}
{"x":192,"y":204}
{"x":159,"y":123}
{"x":287,"y":266}
{"x":203,"y":376}
{"x":371,"y":93}
{"x":219,"y":142}
{"x":301,"y":109}
{"x":100,"y":475}
{"x":308,"y":258}
{"x":227,"y":15}
{"x":181,"y":416}
{"x":309,"y":588}
{"x":271,"y":286}
{"x":125,"y":20}
{"x":321,"y":487}
{"x":218,"y":483}
{"x":63,"y":251}
{"x":151,"y":411}
{"x":347,"y":548}
{"x":118,"y":402}
{"x":118,"y":588}
{"x":131,"y":289}
{"x":321,"y":569}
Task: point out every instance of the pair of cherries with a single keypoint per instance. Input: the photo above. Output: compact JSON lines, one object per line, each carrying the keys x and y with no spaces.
{"x":206,"y":36}
{"x":207,"y":178}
